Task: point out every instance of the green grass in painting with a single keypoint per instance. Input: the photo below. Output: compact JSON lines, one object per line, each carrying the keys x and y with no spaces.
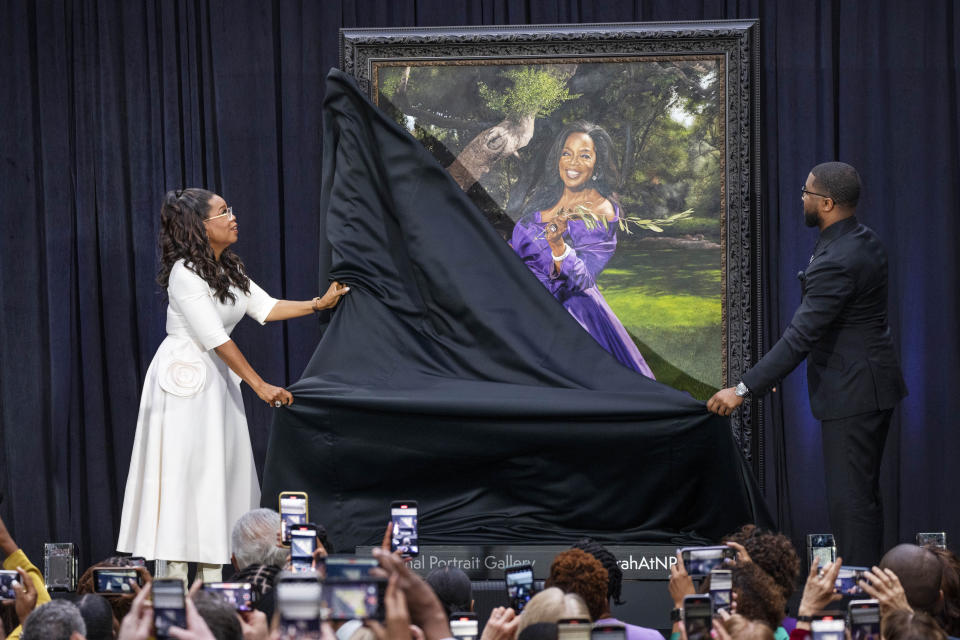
{"x":669,"y":300}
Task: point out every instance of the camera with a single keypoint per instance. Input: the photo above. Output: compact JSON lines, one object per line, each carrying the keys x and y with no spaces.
{"x":520,"y":587}
{"x":404,"y":537}
{"x":700,"y":561}
{"x":347,"y":600}
{"x":238,"y":594}
{"x":115,"y":581}
{"x":822,"y":547}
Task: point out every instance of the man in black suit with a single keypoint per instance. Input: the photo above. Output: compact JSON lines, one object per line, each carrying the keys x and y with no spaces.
{"x":853,"y":374}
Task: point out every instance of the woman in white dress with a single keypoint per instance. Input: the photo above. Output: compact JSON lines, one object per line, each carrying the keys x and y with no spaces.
{"x":192,"y":473}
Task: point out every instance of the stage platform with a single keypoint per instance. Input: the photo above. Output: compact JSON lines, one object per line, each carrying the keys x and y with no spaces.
{"x":646,"y":572}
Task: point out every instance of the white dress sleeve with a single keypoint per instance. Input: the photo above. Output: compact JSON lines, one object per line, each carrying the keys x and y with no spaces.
{"x":190,"y":294}
{"x":259,"y":303}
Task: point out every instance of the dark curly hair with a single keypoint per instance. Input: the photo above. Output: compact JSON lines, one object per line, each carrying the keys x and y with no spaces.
{"x":609,"y":562}
{"x":759,"y":597}
{"x":949,"y":616}
{"x":576,"y":571}
{"x":183,"y":237}
{"x":772,"y":552}
{"x":606,"y":172}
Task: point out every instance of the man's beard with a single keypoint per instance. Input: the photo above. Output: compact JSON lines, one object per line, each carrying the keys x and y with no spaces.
{"x":811,"y":218}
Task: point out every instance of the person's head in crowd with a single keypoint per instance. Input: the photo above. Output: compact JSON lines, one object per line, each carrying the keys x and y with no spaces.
{"x":97,"y":616}
{"x":900,"y":624}
{"x":949,"y":615}
{"x":609,"y":562}
{"x":551,"y":605}
{"x":759,"y":597}
{"x":453,"y":587}
{"x":919,"y":571}
{"x":576,"y":571}
{"x":254,"y":540}
{"x":56,"y":620}
{"x":772,"y":552}
{"x":539,"y":631}
{"x":742,"y":628}
{"x":219,"y":615}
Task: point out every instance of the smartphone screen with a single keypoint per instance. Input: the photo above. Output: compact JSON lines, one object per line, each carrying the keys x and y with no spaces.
{"x":168,"y":608}
{"x":118,"y":581}
{"x":848,"y":580}
{"x":519,"y":586}
{"x":933,"y":538}
{"x":828,"y":630}
{"x":700,"y":561}
{"x":403,"y":514}
{"x":864,"y":620}
{"x":821,"y":547}
{"x":354,"y":600}
{"x":721,"y":586}
{"x":697,"y":616}
{"x":293,"y":510}
{"x":573,"y":629}
{"x":608,"y":632}
{"x":7,"y":578}
{"x":238,"y":594}
{"x":137,"y":561}
{"x":303,"y":542}
{"x":347,"y":567}
{"x":299,"y":605}
{"x":464,"y":626}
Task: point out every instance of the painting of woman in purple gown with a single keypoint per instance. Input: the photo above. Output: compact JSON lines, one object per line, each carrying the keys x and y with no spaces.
{"x":606,"y":176}
{"x":571,"y":233}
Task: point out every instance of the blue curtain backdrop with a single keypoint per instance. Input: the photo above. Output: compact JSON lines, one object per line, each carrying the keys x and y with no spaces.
{"x":106,"y":105}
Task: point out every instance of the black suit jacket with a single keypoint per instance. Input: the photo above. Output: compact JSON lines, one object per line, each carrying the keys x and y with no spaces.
{"x":841,"y":328}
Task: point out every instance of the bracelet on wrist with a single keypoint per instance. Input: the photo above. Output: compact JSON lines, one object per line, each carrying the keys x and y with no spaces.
{"x":316,"y":305}
{"x":563,"y":256}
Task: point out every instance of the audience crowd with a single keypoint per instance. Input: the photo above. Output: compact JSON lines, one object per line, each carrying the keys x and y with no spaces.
{"x":917,"y":590}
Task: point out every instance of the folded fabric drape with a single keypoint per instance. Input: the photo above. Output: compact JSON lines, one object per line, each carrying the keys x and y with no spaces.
{"x":451,"y":376}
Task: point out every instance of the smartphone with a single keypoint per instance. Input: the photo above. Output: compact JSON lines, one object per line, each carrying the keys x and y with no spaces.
{"x":303,"y":542}
{"x":298,"y":602}
{"x":403,"y":514}
{"x":608,"y":632}
{"x":115,"y":580}
{"x":347,"y":600}
{"x":721,"y":586}
{"x":520,"y":586}
{"x":464,"y":626}
{"x":933,"y":538}
{"x":7,"y":578}
{"x":60,"y":566}
{"x":573,"y":629}
{"x":700,"y":561}
{"x":848,"y":580}
{"x":350,"y":567}
{"x":168,"y":607}
{"x":293,"y":510}
{"x":828,"y":630}
{"x":238,"y":594}
{"x":822,"y":547}
{"x":864,"y":619}
{"x":697,"y":616}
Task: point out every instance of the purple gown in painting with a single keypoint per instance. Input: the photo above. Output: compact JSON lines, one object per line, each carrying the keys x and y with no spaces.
{"x":575,"y":285}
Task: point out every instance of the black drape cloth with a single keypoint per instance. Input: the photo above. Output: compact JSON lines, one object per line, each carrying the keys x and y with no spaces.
{"x":451,"y":376}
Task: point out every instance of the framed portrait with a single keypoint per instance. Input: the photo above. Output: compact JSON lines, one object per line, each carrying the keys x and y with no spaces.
{"x":656,"y":122}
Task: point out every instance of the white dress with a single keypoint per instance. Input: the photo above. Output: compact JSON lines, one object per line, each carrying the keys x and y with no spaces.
{"x":191,"y":473}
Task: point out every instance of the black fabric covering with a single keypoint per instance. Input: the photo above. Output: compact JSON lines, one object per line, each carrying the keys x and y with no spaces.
{"x":450,"y":375}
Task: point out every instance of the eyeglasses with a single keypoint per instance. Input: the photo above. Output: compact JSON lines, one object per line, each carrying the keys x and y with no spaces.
{"x":804,"y":190}
{"x":228,"y":213}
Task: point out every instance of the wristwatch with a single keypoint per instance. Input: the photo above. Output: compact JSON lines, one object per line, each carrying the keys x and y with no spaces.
{"x":741,"y":389}
{"x":676,"y":615}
